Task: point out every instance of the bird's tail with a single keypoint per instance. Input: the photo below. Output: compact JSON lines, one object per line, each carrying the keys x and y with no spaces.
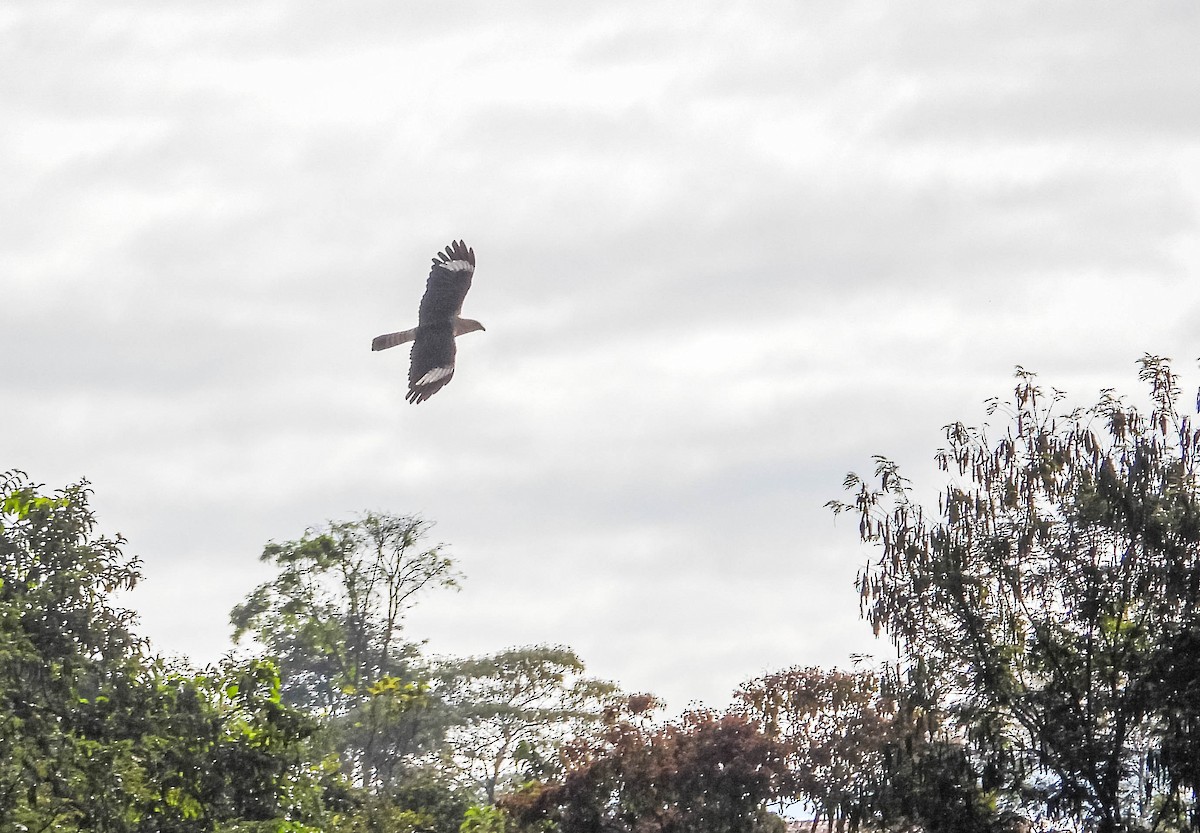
{"x":383,"y":342}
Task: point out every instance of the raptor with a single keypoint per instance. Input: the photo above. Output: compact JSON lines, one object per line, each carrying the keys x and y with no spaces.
{"x":439,"y":322}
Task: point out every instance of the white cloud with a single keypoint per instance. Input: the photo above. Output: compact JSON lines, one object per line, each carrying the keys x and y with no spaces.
{"x":725,"y":255}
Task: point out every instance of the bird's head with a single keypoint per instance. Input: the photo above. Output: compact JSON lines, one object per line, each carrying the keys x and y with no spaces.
{"x":467,"y":325}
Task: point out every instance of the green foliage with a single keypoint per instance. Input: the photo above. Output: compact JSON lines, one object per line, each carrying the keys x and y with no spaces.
{"x":333,"y":618}
{"x":484,"y":818}
{"x":1052,"y":606}
{"x":334,"y":614}
{"x":65,"y":654}
{"x":424,"y":801}
{"x":376,"y":814}
{"x":347,"y":731}
{"x":94,"y":736}
{"x":516,"y":707}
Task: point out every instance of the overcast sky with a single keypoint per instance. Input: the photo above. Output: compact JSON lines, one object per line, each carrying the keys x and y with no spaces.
{"x":726,"y":252}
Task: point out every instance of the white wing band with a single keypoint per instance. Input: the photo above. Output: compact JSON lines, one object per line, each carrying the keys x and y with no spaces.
{"x":437,"y":374}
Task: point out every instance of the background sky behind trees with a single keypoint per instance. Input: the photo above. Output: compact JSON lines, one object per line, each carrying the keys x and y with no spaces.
{"x":726,"y":253}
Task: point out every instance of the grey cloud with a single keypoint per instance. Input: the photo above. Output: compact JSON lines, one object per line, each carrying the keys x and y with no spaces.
{"x":1098,"y":75}
{"x":725,"y":256}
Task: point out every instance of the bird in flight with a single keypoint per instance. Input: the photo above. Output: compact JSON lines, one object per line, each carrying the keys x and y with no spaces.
{"x":439,"y":322}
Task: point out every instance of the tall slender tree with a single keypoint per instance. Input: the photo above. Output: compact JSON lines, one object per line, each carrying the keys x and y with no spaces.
{"x":333,"y":617}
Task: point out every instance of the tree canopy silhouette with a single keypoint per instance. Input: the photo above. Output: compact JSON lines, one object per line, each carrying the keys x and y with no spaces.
{"x":1051,"y":607}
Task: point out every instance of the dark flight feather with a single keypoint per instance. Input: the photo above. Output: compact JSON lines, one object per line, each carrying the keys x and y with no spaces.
{"x":431,"y":365}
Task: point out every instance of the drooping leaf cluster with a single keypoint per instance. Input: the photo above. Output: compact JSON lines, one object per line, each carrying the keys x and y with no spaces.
{"x":1051,"y":608}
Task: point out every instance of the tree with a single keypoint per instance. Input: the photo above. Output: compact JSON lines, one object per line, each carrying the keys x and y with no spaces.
{"x":334,"y":619}
{"x":861,"y":753}
{"x":485,"y":818}
{"x":516,"y":707}
{"x":95,"y":735}
{"x":1053,"y":607}
{"x":64,"y":653}
{"x":334,"y":614}
{"x":708,"y":771}
{"x":835,"y":728}
{"x":226,"y":751}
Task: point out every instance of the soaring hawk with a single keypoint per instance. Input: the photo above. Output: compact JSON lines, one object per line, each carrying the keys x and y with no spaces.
{"x":438,"y":323}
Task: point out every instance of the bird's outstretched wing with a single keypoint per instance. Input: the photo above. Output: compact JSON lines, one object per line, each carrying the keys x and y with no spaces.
{"x":432,"y":362}
{"x":449,"y":279}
